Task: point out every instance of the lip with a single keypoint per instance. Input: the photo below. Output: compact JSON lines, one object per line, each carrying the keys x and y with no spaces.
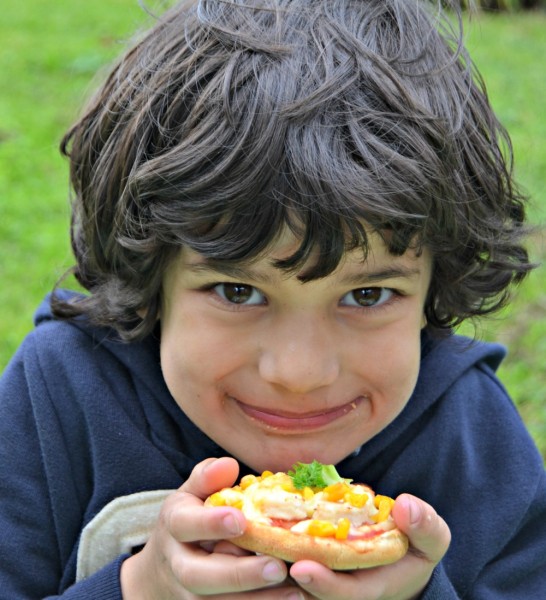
{"x":294,"y":422}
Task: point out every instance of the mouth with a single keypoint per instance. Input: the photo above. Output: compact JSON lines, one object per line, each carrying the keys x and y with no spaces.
{"x":296,"y":422}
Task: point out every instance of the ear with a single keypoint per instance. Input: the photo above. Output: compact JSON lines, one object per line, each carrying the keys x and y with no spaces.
{"x":142,"y":312}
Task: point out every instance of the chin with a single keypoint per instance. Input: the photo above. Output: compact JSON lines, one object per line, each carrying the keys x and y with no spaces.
{"x":284,"y":459}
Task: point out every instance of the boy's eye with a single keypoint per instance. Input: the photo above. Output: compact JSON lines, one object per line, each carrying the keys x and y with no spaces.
{"x":239,"y":293}
{"x":367,"y":297}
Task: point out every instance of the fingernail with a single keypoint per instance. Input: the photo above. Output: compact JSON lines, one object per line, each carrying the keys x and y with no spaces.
{"x":414,"y":512}
{"x":272,"y":572}
{"x":231,"y":525}
{"x":207,"y":464}
{"x":304,"y":579}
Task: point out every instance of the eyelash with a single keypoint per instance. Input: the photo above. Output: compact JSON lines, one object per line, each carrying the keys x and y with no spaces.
{"x":396,"y":295}
{"x":235,"y":305}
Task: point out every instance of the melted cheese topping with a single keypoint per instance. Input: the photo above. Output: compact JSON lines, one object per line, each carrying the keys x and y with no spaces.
{"x":273,"y":497}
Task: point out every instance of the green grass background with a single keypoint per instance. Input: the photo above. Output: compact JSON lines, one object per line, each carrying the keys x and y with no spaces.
{"x":49,"y":55}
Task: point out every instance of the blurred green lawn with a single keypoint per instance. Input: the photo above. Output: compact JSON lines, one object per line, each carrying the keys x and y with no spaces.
{"x":49,"y":54}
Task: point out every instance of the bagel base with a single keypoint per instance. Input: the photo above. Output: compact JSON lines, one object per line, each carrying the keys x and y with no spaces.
{"x":342,"y":525}
{"x":340,"y":555}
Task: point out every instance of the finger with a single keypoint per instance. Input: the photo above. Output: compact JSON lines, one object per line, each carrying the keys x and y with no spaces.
{"x":321,"y":582}
{"x":207,"y":574}
{"x":211,"y":475}
{"x":225,"y":547}
{"x":429,"y":538}
{"x":183,"y":514}
{"x":428,"y":533}
{"x":187,"y":520}
{"x":404,"y":579}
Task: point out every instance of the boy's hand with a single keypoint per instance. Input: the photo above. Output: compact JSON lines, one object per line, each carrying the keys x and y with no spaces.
{"x":429,"y":538}
{"x":188,"y":555}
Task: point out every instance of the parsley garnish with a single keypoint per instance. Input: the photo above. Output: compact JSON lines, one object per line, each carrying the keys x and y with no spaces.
{"x":314,"y":475}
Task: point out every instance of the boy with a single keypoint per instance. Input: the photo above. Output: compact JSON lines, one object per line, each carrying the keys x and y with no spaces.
{"x":281,"y":207}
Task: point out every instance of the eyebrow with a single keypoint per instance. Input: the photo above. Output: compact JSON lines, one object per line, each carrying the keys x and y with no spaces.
{"x":357,"y":279}
{"x":232,"y":271}
{"x":392,"y":272}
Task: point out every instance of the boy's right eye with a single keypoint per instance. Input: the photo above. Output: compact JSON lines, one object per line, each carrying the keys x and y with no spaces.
{"x":239,"y":293}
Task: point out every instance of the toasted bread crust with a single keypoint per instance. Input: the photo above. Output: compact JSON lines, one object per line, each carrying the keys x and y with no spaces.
{"x":382,"y":549}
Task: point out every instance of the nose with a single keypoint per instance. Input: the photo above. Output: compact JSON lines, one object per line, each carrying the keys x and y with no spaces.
{"x":299,"y":355}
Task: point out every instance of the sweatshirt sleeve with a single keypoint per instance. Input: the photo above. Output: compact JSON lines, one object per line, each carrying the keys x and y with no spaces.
{"x":102,"y":585}
{"x":37,"y":541}
{"x":439,"y":587}
{"x":518,"y":572}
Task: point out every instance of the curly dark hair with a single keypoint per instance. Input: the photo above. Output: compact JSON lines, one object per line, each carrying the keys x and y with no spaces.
{"x":231,"y":120}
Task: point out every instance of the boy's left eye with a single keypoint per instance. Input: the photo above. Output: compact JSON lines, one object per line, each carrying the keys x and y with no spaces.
{"x":239,"y":293}
{"x":367,"y":297}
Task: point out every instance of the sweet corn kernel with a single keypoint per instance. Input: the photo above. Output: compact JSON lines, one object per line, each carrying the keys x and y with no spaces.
{"x":356,"y":500}
{"x":217,"y":499}
{"x":342,"y":529}
{"x":307,"y":493}
{"x":266,"y":474}
{"x":321,"y":528}
{"x":288,"y":486}
{"x":247,"y":481}
{"x":336,"y":491}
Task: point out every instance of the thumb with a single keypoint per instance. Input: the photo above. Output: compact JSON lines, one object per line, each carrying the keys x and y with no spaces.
{"x":211,"y":475}
{"x":428,"y":533}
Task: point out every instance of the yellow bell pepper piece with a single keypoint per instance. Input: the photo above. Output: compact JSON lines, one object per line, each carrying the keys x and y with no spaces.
{"x":356,"y":500}
{"x":342,"y":529}
{"x":321,"y":528}
{"x":336,"y":491}
{"x":384,"y":505}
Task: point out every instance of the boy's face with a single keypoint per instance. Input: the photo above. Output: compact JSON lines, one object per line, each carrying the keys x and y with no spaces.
{"x":278,"y":371}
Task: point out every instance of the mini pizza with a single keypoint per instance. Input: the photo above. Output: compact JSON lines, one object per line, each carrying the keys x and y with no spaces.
{"x":313,"y":513}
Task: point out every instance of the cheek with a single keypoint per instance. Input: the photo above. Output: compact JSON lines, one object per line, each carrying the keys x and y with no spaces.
{"x":403,"y":371}
{"x":180,"y":352}
{"x":195,"y":354}
{"x":392,"y":365}
{"x":190,"y":377}
{"x":175,"y":368}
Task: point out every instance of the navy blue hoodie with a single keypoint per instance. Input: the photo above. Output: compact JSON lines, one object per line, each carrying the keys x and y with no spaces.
{"x":88,"y":428}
